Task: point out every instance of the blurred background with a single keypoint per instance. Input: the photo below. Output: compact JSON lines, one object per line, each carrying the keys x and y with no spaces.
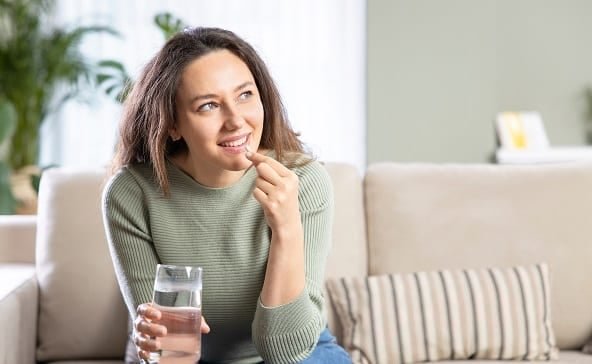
{"x":314,"y":49}
{"x":363,"y":81}
{"x":438,"y":72}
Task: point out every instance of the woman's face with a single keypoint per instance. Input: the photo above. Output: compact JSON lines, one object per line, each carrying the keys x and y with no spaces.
{"x":219,"y":112}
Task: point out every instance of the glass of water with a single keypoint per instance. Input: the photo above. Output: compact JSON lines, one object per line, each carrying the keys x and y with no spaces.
{"x":177,"y":294}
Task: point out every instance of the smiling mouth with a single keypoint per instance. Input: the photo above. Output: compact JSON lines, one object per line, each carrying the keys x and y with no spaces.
{"x":235,"y":143}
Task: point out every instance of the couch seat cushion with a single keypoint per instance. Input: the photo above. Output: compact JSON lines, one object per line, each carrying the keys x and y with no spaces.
{"x":565,"y":356}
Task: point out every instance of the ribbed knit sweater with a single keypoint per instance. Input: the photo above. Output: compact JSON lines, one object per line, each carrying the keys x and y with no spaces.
{"x":224,"y":231}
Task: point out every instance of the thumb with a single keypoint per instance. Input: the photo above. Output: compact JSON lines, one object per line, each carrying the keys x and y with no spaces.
{"x":254,"y":157}
{"x":205,"y":328}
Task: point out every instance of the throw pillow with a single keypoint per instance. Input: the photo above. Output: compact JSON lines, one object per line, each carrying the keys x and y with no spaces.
{"x":493,"y":313}
{"x":587,"y":348}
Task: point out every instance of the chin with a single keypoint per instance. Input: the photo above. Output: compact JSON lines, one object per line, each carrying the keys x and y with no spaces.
{"x":239,"y":166}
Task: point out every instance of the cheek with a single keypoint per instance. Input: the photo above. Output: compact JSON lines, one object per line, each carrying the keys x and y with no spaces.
{"x":260,"y":115}
{"x":254,"y":115}
{"x":202,"y":130}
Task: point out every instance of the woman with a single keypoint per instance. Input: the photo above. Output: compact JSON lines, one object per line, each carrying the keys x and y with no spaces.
{"x":209,"y":173}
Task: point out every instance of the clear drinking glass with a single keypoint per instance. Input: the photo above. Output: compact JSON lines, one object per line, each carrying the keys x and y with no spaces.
{"x":177,"y":294}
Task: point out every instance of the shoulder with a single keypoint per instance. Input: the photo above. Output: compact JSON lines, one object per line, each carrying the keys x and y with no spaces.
{"x":127,"y":182}
{"x":315,"y":184}
{"x":311,"y":171}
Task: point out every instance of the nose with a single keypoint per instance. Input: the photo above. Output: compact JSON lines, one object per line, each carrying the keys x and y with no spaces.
{"x":232,"y":117}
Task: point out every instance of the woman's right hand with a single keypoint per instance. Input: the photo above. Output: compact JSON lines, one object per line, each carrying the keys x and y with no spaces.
{"x":147,"y":332}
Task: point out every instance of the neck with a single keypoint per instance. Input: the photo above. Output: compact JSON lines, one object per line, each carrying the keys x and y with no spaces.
{"x":214,"y":179}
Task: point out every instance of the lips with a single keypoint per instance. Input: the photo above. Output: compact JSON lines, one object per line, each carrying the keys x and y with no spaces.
{"x":235,"y":142}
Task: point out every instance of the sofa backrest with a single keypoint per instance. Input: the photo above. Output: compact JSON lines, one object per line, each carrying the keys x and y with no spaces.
{"x":81,"y":312}
{"x":17,"y":243}
{"x":348,"y":256}
{"x":423,"y":217}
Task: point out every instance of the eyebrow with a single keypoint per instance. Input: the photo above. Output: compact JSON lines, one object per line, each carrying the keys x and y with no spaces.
{"x":210,"y":96}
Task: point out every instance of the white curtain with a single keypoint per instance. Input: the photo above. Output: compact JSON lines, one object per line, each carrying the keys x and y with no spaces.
{"x":314,"y":49}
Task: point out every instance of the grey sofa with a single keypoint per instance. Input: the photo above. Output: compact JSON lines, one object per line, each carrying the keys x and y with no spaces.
{"x":63,"y":305}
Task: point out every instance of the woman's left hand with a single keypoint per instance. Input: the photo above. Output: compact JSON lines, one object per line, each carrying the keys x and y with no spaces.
{"x":276,"y":189}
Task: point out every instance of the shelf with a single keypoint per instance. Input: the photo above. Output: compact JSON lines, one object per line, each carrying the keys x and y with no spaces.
{"x":546,"y":155}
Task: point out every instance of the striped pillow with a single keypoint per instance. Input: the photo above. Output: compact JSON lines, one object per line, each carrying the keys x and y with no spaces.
{"x":491,"y":313}
{"x":587,"y":348}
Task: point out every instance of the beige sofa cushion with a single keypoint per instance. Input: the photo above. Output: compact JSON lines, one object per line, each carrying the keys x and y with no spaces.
{"x":427,"y":217}
{"x":565,"y":356}
{"x":348,"y":256}
{"x":494,"y":313}
{"x":17,"y":238}
{"x":81,"y":312}
{"x":18,"y":313}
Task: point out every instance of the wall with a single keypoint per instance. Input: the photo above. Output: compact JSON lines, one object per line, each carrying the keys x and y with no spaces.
{"x":439,"y":71}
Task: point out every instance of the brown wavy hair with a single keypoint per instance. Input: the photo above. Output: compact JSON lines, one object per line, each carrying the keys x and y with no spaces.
{"x":150,"y":108}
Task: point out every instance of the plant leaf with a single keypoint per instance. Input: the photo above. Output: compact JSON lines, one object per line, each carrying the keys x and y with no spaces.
{"x":169,"y":24}
{"x":7,"y":121}
{"x":7,"y":201}
{"x":35,"y":181}
{"x":112,"y":89}
{"x":109,"y":63}
{"x":101,"y":78}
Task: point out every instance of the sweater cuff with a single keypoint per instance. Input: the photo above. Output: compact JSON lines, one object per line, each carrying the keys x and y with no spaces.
{"x":287,"y":333}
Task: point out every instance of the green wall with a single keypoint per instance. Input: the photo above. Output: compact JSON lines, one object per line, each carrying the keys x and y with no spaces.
{"x":440,"y":70}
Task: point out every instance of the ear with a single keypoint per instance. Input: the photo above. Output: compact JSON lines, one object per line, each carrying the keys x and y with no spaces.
{"x":174,"y":134}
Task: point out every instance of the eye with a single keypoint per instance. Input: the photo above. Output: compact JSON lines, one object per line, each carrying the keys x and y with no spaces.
{"x":207,"y":107}
{"x":245,"y":95}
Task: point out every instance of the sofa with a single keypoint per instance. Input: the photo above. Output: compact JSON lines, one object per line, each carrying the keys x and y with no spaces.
{"x":396,"y":225}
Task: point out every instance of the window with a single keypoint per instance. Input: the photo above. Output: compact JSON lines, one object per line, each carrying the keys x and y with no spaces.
{"x":314,"y":49}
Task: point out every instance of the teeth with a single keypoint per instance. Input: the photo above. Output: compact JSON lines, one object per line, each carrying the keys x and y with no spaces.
{"x":235,"y":143}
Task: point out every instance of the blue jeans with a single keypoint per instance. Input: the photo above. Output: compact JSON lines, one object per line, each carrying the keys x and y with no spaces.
{"x":327,"y":351}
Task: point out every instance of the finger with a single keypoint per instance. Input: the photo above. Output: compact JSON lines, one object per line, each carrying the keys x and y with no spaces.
{"x":143,"y":354}
{"x":269,"y":174}
{"x":148,"y":311}
{"x":150,"y":329}
{"x":146,"y":343}
{"x":264,"y":185}
{"x":260,"y":196}
{"x":258,"y":158}
{"x":205,"y":328}
{"x":253,"y":156}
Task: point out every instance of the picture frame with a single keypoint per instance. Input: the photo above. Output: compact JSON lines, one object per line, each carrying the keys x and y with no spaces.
{"x":521,"y":130}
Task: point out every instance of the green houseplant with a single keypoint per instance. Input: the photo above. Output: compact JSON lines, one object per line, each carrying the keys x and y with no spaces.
{"x":7,"y":126}
{"x":40,"y":68}
{"x":114,"y":78}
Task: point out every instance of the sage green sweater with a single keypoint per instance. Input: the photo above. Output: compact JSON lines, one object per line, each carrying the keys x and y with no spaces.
{"x":224,"y":231}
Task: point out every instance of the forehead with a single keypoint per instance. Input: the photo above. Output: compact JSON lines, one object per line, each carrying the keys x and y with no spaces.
{"x":217,"y":69}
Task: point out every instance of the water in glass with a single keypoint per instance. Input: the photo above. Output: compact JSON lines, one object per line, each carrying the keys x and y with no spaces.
{"x":177,"y":294}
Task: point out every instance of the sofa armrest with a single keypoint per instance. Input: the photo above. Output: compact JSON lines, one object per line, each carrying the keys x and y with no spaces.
{"x":18,"y":313}
{"x":17,"y":238}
